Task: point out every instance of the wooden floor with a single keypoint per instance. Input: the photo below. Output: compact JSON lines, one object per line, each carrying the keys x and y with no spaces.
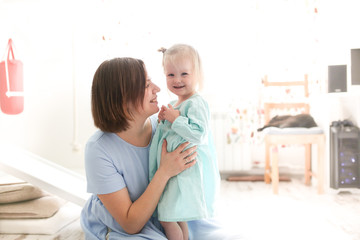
{"x":298,"y":212}
{"x":71,"y":232}
{"x":251,"y":210}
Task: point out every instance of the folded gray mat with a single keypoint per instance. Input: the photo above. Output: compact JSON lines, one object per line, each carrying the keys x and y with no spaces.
{"x":17,"y":192}
{"x":42,"y":207}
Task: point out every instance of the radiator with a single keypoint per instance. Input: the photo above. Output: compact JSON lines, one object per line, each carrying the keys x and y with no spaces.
{"x":231,"y":155}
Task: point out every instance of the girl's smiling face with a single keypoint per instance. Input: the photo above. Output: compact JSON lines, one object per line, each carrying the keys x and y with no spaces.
{"x":180,"y":78}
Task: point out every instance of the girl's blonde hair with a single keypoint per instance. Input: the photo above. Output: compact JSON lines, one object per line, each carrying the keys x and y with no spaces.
{"x":185,"y":51}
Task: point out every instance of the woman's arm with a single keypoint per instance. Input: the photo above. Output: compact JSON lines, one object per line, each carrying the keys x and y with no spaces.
{"x":132,"y":216}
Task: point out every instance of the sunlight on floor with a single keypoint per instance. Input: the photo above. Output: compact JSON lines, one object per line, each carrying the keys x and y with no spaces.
{"x":296,"y":213}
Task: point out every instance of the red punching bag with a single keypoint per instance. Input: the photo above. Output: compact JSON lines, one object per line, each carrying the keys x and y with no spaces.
{"x":11,"y":83}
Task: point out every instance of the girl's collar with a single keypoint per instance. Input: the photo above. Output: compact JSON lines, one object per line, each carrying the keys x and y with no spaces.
{"x":177,"y":106}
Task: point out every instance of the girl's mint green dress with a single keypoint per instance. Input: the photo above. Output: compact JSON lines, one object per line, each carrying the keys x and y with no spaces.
{"x":191,"y":194}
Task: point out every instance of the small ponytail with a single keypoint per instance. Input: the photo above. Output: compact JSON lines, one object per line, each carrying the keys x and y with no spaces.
{"x":162,"y":49}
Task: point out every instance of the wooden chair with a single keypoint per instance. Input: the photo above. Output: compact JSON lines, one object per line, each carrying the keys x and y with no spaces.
{"x":284,"y":136}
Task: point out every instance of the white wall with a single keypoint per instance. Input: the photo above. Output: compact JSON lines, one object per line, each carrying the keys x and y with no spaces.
{"x":42,"y":34}
{"x":60,"y":44}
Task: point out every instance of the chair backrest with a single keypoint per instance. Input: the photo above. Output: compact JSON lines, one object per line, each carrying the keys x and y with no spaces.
{"x":300,"y":107}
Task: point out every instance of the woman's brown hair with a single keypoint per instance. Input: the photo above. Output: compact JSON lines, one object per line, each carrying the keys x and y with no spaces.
{"x":118,"y":84}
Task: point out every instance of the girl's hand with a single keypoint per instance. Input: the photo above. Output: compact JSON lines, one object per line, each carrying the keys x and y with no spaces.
{"x":161,"y":113}
{"x":173,"y":163}
{"x":170,"y":113}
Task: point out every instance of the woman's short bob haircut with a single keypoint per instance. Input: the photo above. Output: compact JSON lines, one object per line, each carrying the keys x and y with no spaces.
{"x":118,"y":86}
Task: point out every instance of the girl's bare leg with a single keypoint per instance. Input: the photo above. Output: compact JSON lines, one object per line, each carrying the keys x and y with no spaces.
{"x":184,"y":229}
{"x":173,"y":231}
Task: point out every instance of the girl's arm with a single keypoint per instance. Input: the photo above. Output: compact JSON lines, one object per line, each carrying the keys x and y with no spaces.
{"x":193,"y":125}
{"x":132,"y":216}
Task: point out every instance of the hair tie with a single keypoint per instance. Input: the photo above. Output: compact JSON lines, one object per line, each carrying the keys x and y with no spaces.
{"x":162,"y":49}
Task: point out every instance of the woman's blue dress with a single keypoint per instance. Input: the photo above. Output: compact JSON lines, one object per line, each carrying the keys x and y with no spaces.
{"x":112,"y":164}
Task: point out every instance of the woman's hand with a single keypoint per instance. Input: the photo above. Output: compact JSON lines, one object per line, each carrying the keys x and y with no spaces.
{"x":132,"y":216}
{"x":173,"y":163}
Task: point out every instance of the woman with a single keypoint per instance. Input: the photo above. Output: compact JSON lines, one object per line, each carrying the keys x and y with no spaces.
{"x":123,"y":100}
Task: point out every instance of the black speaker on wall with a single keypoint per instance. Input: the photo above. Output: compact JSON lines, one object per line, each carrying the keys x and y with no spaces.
{"x":337,"y":80}
{"x":355,"y":66}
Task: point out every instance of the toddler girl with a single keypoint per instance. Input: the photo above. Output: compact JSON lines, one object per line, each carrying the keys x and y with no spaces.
{"x":191,"y":194}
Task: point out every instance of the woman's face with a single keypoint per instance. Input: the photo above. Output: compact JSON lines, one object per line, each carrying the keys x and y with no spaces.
{"x":150,"y":103}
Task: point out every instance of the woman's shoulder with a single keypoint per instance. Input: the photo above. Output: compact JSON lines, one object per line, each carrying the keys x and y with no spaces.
{"x":102,"y":142}
{"x":95,"y":138}
{"x":98,"y":138}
